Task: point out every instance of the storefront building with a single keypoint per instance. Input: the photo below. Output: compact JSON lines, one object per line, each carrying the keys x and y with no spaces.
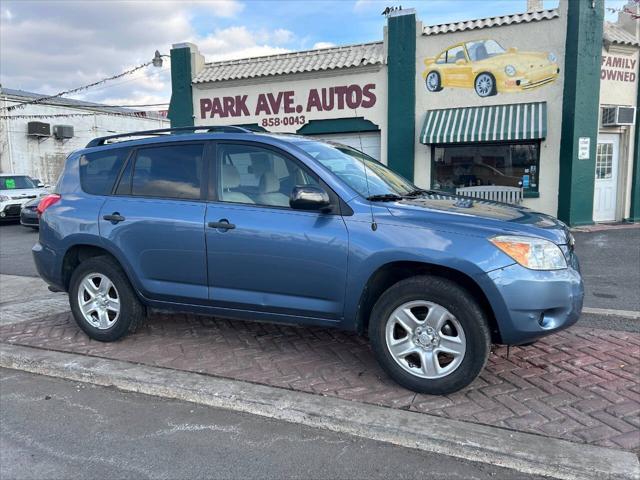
{"x":493,"y":105}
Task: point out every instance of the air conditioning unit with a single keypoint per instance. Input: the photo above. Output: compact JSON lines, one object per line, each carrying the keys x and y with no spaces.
{"x":62,"y":132}
{"x":618,"y":116}
{"x":38,"y":129}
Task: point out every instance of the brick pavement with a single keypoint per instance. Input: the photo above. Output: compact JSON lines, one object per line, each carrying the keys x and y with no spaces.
{"x":582,"y":384}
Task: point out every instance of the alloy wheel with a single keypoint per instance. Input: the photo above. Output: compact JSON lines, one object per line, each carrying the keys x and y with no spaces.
{"x":99,"y":301}
{"x":484,"y":85}
{"x":425,"y":339}
{"x":432,"y":81}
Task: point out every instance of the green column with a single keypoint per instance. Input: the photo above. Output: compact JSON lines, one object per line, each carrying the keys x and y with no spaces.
{"x":580,"y":109}
{"x":634,"y":214}
{"x":401,"y":95}
{"x":181,"y":106}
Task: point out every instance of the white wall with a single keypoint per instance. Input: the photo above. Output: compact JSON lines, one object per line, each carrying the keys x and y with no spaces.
{"x":301,"y":85}
{"x":539,"y":36}
{"x":43,"y":158}
{"x":619,"y":86}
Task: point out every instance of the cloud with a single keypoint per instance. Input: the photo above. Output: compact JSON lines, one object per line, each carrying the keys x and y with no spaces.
{"x":323,"y":45}
{"x":48,"y":47}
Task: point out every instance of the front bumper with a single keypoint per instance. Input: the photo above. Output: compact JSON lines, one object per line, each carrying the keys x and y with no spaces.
{"x":530,"y":304}
{"x":29,"y":218}
{"x":10,"y":210}
{"x":531,"y":80}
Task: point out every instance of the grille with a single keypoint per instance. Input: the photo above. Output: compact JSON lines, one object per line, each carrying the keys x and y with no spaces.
{"x":12,"y":210}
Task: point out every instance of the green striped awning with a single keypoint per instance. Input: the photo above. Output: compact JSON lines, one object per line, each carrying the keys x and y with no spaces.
{"x":495,"y":123}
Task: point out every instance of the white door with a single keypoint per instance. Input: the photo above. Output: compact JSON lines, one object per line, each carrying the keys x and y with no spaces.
{"x":367,"y":142}
{"x":606,"y":181}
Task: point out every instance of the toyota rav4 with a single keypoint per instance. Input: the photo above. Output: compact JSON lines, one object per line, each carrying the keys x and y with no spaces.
{"x":289,"y":229}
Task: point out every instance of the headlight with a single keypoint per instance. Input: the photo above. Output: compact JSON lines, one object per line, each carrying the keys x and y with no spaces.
{"x":510,"y":70}
{"x":552,"y":57}
{"x":530,"y":252}
{"x":4,"y":198}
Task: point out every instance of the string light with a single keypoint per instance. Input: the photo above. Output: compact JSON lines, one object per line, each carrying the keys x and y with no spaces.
{"x":157,"y":61}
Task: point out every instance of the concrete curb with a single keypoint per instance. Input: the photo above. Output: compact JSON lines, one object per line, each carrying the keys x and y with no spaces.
{"x":524,"y":452}
{"x":608,"y":312}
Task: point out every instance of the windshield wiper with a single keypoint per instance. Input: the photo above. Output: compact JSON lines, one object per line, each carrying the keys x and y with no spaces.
{"x":419,"y":192}
{"x":386,"y":197}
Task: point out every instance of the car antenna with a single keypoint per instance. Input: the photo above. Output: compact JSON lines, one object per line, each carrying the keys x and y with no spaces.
{"x":374,"y":225}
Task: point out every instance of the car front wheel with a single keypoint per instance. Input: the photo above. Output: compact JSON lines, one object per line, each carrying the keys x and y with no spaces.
{"x":429,"y":335}
{"x":102,"y":300}
{"x":485,"y":85}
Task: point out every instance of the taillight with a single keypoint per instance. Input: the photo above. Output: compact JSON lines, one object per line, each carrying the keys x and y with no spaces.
{"x":47,"y":201}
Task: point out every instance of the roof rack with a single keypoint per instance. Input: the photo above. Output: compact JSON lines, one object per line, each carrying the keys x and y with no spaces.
{"x":96,"y":142}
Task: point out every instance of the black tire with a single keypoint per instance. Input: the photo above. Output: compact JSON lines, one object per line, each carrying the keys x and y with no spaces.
{"x":435,"y":86}
{"x":132,"y":312}
{"x":460,"y":304}
{"x":488,"y":92}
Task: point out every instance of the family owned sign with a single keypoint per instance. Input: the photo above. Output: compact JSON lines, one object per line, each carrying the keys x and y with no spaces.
{"x":618,"y":68}
{"x":290,"y":102}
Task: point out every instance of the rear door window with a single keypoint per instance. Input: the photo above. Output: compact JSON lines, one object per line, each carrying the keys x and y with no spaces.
{"x":98,"y":171}
{"x":168,"y":171}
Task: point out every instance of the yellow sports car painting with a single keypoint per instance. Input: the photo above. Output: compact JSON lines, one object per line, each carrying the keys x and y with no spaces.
{"x":488,"y":68}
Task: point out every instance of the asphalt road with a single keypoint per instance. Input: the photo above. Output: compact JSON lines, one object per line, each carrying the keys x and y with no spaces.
{"x":52,"y":428}
{"x":610,"y":263}
{"x":15,"y":249}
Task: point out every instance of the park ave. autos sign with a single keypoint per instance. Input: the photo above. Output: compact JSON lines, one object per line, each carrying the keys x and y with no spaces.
{"x":287,"y":108}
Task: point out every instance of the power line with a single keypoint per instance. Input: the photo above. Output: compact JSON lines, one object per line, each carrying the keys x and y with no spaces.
{"x":73,"y":90}
{"x":69,"y":115}
{"x":101,"y":105}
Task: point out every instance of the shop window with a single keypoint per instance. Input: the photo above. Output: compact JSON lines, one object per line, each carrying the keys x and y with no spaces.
{"x":505,"y":164}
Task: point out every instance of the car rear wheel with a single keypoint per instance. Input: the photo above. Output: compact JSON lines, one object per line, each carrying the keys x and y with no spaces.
{"x":429,"y":335}
{"x":433,"y":82}
{"x":485,"y":85}
{"x":102,"y":300}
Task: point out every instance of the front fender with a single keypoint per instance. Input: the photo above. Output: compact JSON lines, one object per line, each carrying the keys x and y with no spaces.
{"x":468,"y":255}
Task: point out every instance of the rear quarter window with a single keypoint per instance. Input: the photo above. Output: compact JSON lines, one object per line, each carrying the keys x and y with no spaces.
{"x":99,"y":170}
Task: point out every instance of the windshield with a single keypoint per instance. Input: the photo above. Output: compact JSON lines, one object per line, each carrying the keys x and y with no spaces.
{"x":348,"y":164}
{"x":483,"y":49}
{"x":16,"y":182}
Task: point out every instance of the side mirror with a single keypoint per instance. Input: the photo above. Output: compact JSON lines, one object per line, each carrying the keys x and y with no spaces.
{"x":308,"y":197}
{"x":461,"y":61}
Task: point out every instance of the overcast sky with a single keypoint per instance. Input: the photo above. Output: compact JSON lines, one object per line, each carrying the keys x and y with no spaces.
{"x":48,"y":46}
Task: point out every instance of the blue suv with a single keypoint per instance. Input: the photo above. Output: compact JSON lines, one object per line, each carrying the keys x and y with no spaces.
{"x":292,"y":230}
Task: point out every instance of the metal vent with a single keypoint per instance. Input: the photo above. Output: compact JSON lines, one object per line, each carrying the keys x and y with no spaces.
{"x":618,"y":116}
{"x":62,"y":132}
{"x":38,"y":129}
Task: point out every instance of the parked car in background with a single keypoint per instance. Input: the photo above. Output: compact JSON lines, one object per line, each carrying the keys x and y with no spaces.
{"x":15,"y":191}
{"x":29,"y":213}
{"x":488,"y":68}
{"x":292,"y":230}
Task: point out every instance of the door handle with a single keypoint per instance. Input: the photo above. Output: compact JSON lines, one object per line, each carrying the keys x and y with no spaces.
{"x":114,"y":218}
{"x":223,"y":224}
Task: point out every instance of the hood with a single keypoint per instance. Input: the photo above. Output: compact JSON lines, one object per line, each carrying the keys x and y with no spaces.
{"x":479,"y":217}
{"x":518,"y":59}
